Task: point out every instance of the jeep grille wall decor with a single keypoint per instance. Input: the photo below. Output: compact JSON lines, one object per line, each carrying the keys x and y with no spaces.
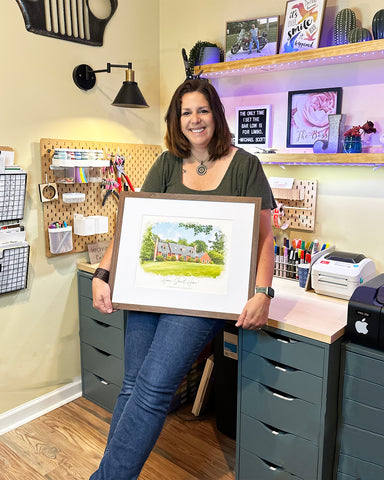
{"x":71,"y":20}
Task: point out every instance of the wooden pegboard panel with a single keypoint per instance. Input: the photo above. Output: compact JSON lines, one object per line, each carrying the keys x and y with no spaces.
{"x":299,"y":204}
{"x":138,"y":160}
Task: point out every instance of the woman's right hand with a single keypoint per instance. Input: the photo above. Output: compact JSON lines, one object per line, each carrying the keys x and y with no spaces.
{"x":101,"y":293}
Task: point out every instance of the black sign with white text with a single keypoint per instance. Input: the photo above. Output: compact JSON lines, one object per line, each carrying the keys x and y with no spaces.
{"x":252,"y":126}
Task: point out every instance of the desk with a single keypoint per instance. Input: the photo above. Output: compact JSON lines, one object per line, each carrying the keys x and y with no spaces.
{"x":288,"y":388}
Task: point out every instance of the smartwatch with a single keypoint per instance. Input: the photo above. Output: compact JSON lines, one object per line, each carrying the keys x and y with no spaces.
{"x":268,"y":291}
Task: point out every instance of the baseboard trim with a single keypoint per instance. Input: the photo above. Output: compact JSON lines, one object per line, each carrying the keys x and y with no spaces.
{"x":39,"y":406}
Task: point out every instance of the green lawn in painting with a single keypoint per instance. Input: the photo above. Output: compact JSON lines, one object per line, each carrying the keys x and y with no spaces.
{"x":183,"y":269}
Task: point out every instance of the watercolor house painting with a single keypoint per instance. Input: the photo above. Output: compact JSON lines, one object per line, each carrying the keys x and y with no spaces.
{"x":187,"y":253}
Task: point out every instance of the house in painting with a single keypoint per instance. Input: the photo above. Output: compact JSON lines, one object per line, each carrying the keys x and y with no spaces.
{"x":204,"y":257}
{"x":170,"y":249}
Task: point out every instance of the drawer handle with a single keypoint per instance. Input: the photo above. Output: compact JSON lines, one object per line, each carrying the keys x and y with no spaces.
{"x":106,"y":354}
{"x":101,"y":380}
{"x":280,"y":368}
{"x":102,"y":324}
{"x":283,"y":397}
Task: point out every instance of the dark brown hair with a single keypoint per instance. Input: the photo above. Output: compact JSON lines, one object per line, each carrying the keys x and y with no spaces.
{"x":176,"y":141}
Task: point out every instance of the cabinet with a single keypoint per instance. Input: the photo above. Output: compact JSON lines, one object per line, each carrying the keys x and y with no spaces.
{"x":361,"y":420}
{"x":287,"y":406}
{"x":102,"y":348}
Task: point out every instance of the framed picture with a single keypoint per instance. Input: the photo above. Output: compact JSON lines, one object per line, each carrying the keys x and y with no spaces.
{"x":255,"y":37}
{"x":308,"y":112}
{"x":253,"y":126}
{"x":302,"y":25}
{"x":185,"y":254}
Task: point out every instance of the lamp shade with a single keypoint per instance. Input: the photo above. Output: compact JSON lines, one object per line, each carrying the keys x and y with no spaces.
{"x":129,"y":96}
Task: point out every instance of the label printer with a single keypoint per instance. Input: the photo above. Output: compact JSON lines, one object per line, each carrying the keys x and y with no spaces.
{"x":365,"y":322}
{"x":337,"y":274}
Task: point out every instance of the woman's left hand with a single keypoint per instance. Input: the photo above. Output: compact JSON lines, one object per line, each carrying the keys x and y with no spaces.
{"x":255,"y":312}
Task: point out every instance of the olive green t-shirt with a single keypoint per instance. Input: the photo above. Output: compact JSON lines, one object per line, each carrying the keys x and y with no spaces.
{"x":244,"y":178}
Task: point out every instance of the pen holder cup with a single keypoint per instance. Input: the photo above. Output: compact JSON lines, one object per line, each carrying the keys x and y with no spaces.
{"x":303,"y":274}
{"x":60,"y":240}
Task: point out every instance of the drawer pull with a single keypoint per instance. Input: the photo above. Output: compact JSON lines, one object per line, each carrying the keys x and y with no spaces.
{"x":102,"y":352}
{"x":280,"y":368}
{"x":101,"y":380}
{"x":283,"y":397}
{"x":102,"y":324}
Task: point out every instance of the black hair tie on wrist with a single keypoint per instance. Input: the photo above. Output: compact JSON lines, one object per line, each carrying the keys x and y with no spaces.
{"x":102,"y":274}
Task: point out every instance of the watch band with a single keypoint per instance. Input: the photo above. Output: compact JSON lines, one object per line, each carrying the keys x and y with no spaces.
{"x":102,"y":274}
{"x":268,"y":291}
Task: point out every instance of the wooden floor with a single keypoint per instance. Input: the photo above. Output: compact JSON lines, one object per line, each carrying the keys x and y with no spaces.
{"x":68,"y":443}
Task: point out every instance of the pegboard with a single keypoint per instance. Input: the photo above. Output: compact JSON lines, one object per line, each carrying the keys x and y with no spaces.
{"x":299,"y":204}
{"x":138,"y":160}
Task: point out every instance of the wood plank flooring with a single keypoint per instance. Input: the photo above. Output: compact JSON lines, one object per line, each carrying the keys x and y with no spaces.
{"x":68,"y":443}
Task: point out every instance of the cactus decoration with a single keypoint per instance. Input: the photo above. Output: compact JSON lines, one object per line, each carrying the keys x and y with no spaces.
{"x":359,"y":35}
{"x":345,"y":21}
{"x":378,"y":25}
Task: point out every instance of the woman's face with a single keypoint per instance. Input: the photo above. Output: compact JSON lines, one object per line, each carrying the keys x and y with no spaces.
{"x":196,"y":121}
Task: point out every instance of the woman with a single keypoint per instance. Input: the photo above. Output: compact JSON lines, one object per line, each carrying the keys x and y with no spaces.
{"x":160,"y":349}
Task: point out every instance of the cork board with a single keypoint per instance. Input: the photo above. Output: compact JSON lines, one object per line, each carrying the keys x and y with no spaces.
{"x":138,"y":160}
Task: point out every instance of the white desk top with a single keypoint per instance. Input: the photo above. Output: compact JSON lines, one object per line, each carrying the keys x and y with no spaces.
{"x":297,"y":311}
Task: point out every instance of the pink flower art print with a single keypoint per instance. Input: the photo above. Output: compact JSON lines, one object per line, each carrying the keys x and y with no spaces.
{"x":309,"y":116}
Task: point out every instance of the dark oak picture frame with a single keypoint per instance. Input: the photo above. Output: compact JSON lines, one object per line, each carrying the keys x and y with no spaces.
{"x":221,"y":297}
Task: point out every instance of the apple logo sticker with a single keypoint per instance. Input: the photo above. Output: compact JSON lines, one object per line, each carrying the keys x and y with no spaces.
{"x":361,"y":326}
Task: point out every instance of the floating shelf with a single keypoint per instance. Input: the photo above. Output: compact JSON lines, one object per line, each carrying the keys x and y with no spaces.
{"x":347,"y":159}
{"x":352,"y":52}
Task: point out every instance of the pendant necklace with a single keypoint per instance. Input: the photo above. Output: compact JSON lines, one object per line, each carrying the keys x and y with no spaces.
{"x":200,"y":169}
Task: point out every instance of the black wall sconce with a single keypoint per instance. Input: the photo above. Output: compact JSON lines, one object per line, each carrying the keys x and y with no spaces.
{"x":129,"y":95}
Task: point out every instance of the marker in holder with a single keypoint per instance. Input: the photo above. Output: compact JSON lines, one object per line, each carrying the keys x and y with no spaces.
{"x":60,"y":239}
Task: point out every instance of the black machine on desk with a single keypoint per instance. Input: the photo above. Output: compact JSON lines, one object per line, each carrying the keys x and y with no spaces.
{"x":365,"y":324}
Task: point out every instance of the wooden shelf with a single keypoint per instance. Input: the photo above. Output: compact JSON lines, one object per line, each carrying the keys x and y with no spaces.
{"x":353,"y":52}
{"x":348,"y":159}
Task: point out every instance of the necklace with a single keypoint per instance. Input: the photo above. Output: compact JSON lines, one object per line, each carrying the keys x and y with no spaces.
{"x":200,"y":169}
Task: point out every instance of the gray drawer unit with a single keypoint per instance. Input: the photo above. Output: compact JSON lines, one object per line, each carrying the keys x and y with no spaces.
{"x":357,"y":468}
{"x":287,"y":409}
{"x":286,"y":351}
{"x":255,"y":468}
{"x":282,"y":411}
{"x":361,"y":418}
{"x":102,"y":348}
{"x":281,"y":377}
{"x":298,"y":455}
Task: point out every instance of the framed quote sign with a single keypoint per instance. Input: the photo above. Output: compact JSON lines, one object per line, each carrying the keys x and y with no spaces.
{"x":253,"y":126}
{"x":302,"y":25}
{"x":185,"y":254}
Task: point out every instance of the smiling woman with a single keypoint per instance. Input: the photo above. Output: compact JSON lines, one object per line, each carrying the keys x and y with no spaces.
{"x":162,"y":346}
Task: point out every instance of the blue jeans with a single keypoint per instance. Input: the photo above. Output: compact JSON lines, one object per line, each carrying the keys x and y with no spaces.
{"x":254,"y":40}
{"x":159,"y":351}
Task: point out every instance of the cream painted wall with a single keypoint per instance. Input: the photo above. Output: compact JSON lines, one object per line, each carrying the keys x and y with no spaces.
{"x":39,"y":343}
{"x":350,"y":199}
{"x":39,"y":346}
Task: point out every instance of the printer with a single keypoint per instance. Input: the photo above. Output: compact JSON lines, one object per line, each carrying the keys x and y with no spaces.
{"x":365,"y":321}
{"x":337,"y":274}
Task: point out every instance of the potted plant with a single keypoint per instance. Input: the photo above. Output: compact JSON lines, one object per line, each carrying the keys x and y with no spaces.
{"x":203,"y":53}
{"x":352,"y":137}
